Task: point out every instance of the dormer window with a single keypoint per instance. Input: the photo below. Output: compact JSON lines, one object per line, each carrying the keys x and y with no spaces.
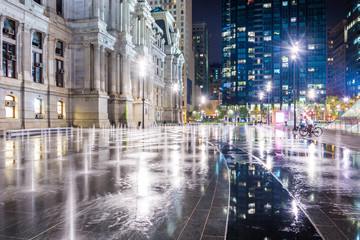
{"x":59,"y":48}
{"x":9,"y":28}
{"x":36,"y":42}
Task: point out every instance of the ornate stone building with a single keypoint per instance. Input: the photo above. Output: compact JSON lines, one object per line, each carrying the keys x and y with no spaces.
{"x":75,"y":63}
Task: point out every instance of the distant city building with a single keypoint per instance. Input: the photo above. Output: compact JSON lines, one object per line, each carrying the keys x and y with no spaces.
{"x":215,"y":82}
{"x":201,"y":51}
{"x":181,"y":10}
{"x":257,"y":41}
{"x":336,"y":83}
{"x":330,"y":58}
{"x":352,"y":53}
{"x":78,"y":64}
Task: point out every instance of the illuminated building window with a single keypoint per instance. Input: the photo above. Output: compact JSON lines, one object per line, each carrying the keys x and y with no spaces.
{"x":10,"y":106}
{"x":267,"y":5}
{"x":60,"y":110}
{"x":267,"y":38}
{"x":38,"y":108}
{"x":285,"y":3}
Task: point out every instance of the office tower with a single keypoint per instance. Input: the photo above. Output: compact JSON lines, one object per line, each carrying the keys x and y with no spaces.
{"x":215,"y":83}
{"x":352,"y":58}
{"x":329,"y":59}
{"x":201,"y":51}
{"x":336,"y":83}
{"x":258,"y":38}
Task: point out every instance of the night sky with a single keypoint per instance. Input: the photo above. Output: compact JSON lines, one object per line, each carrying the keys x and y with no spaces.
{"x":209,"y":11}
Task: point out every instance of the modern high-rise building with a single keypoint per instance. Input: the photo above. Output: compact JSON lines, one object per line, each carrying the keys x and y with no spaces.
{"x":181,"y":10}
{"x":352,"y":58}
{"x":215,"y":83}
{"x":336,"y":83}
{"x":330,"y":58}
{"x":258,"y":36}
{"x":201,"y":52}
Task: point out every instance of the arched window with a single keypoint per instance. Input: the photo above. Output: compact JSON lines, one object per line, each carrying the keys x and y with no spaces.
{"x":60,"y":109}
{"x":38,"y":108}
{"x":10,"y":106}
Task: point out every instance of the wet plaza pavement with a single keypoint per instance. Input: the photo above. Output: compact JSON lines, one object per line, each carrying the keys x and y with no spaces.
{"x":173,"y":183}
{"x":161,"y":183}
{"x":323,"y":178}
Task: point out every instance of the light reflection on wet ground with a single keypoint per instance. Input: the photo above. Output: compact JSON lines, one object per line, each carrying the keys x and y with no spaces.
{"x":260,"y":208}
{"x":152,"y":185}
{"x":161,"y":183}
{"x":324,"y":178}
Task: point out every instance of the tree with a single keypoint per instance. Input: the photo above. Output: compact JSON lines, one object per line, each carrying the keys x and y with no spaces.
{"x":244,"y":112}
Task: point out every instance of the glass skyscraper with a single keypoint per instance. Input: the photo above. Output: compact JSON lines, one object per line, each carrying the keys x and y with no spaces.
{"x":352,"y":51}
{"x":257,"y":39}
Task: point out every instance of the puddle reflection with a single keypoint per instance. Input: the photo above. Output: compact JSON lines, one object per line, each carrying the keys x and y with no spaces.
{"x":261,"y":209}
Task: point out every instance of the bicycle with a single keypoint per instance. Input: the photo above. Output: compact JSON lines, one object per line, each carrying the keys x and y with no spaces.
{"x":296,"y":130}
{"x":317,"y":131}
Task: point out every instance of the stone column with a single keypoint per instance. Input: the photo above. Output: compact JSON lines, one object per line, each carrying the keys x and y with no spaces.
{"x":113,"y":16}
{"x":19,"y":33}
{"x":113,"y":74}
{"x":51,"y":62}
{"x":45,"y":60}
{"x":96,"y":60}
{"x":102,"y":68}
{"x":2,"y":18}
{"x":126,"y":84}
{"x":118,"y":74}
{"x":96,"y":9}
{"x":125,"y":16}
{"x":102,"y":14}
{"x":68,"y":66}
{"x":120,"y":16}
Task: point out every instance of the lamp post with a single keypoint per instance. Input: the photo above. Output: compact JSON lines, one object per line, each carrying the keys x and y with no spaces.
{"x":176,"y":89}
{"x":142,"y":74}
{"x":261,"y":96}
{"x":312,"y":95}
{"x":268,"y":90}
{"x":203,"y":100}
{"x":295,"y":51}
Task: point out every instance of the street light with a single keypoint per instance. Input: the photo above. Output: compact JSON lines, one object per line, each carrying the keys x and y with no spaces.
{"x":203,"y":100}
{"x":268,"y":90}
{"x":142,"y":64}
{"x":295,"y":50}
{"x":312,"y":95}
{"x":176,"y":89}
{"x":261,"y":96}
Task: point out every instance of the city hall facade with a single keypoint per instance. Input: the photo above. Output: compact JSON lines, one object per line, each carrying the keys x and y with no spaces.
{"x":76,"y":63}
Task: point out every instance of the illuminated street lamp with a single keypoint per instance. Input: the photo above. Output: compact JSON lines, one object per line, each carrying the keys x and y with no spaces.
{"x":176,"y":89}
{"x":142,"y":65}
{"x":203,"y":100}
{"x":311,"y":95}
{"x":261,"y":96}
{"x":295,"y":51}
{"x":268,"y":90}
